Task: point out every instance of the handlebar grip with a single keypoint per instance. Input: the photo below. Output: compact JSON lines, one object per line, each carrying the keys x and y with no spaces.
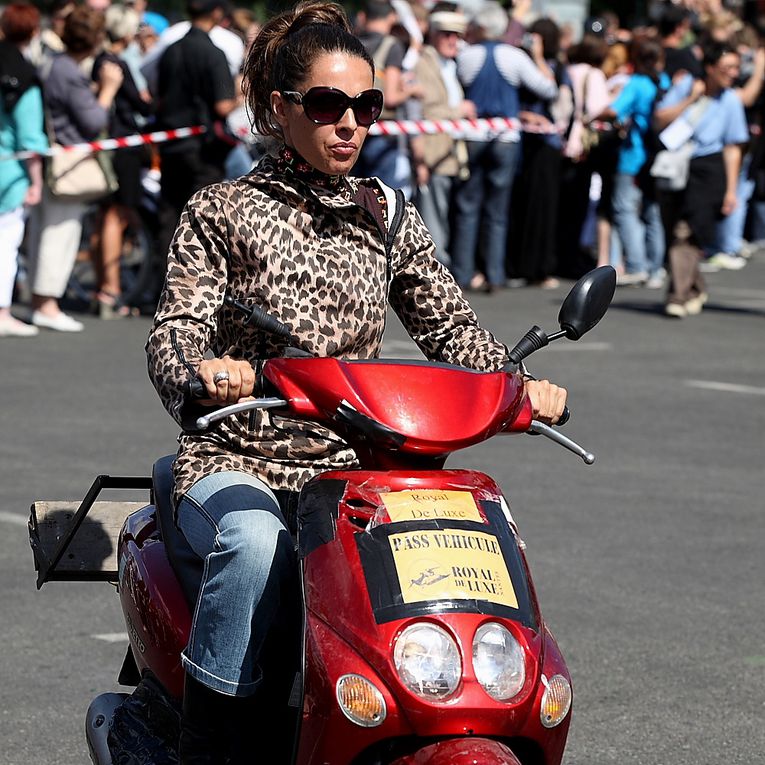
{"x":196,"y":389}
{"x":565,"y":417}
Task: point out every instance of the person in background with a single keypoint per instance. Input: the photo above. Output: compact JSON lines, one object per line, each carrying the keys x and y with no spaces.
{"x":243,"y":156}
{"x":133,"y":54}
{"x":439,"y":160}
{"x":47,"y":42}
{"x":75,"y":115}
{"x":519,"y":10}
{"x":120,"y":209}
{"x":245,"y":23}
{"x":731,"y":246}
{"x":636,"y":212}
{"x":674,"y":28}
{"x":690,"y":216}
{"x":591,"y":97}
{"x":382,"y":155}
{"x":617,"y":67}
{"x":146,"y":39}
{"x":223,"y":38}
{"x":195,"y":87}
{"x":21,"y":129}
{"x":491,"y":73}
{"x":533,"y":246}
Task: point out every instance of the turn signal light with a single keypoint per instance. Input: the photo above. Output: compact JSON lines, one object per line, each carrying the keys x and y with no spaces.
{"x":360,"y":701}
{"x":556,"y":701}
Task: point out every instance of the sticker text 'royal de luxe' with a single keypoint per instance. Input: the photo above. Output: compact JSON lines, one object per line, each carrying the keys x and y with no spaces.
{"x":430,"y":504}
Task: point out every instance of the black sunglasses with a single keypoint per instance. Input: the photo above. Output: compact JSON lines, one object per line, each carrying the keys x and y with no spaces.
{"x":324,"y":105}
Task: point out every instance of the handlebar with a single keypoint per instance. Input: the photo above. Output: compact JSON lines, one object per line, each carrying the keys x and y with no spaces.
{"x":273,"y":402}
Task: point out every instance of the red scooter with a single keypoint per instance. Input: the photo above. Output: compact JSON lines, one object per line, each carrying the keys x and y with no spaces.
{"x":415,"y":637}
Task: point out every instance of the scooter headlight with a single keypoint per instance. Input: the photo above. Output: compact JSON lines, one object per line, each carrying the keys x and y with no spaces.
{"x":498,"y":661}
{"x":428,"y":661}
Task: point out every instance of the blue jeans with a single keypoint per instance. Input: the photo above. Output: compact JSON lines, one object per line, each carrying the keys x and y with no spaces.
{"x":483,"y":202}
{"x":638,"y":222}
{"x":433,"y":203}
{"x":730,"y":230}
{"x":233,"y":522}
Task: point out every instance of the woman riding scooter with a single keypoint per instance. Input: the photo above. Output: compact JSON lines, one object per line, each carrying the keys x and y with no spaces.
{"x":325,"y":254}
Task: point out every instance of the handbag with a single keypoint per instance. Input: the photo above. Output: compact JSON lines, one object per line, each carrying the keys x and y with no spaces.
{"x":671,"y":166}
{"x":77,"y":175}
{"x":80,"y":175}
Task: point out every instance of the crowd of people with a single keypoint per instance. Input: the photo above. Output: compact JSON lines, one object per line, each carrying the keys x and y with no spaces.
{"x":639,"y":147}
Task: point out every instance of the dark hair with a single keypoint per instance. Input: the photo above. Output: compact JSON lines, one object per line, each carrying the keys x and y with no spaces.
{"x":645,"y":55}
{"x":19,"y":22}
{"x":591,"y":49}
{"x":671,"y":18}
{"x":714,"y":51}
{"x":549,"y":31}
{"x":286,"y":48}
{"x":378,"y":9}
{"x":196,"y":9}
{"x":83,"y":29}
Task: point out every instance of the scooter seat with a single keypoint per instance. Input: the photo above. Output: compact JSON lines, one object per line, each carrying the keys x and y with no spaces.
{"x":186,"y":564}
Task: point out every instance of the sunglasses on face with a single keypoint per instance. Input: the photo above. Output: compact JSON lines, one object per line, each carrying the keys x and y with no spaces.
{"x":324,"y":105}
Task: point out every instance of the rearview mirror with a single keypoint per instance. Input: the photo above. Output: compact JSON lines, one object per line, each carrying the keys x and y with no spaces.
{"x":587,"y":302}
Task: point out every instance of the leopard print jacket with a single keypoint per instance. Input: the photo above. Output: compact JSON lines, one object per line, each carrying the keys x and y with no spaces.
{"x":316,"y":260}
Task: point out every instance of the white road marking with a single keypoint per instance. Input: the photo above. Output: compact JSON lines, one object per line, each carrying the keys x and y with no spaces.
{"x":112,"y":637}
{"x":592,"y":346}
{"x":19,"y":520}
{"x":726,"y":387}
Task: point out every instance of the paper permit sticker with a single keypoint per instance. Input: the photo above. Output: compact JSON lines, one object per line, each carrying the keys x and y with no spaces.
{"x":451,"y":564}
{"x":431,"y":505}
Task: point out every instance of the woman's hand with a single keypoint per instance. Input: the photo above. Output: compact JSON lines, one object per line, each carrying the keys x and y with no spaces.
{"x":547,"y":400}
{"x":239,"y":385}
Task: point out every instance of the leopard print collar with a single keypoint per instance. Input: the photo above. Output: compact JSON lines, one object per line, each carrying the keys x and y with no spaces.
{"x":292,"y":165}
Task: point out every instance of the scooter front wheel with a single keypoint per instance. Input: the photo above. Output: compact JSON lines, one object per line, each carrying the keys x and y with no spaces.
{"x":461,"y":751}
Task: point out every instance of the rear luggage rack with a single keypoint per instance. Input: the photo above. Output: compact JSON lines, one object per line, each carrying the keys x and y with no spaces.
{"x":68,"y":550}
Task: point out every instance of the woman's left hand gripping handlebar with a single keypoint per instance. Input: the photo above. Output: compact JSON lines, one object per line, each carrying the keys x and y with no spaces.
{"x":547,"y":400}
{"x":226,"y":380}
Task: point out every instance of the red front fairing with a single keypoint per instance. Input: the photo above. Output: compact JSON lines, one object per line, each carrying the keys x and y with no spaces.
{"x":356,"y":610}
{"x":427,"y":410}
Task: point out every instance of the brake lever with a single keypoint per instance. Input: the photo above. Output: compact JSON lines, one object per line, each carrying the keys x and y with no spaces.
{"x":540,"y":429}
{"x":204,"y":422}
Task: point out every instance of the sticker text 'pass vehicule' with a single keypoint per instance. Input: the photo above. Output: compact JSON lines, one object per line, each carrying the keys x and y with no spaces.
{"x":451,"y":564}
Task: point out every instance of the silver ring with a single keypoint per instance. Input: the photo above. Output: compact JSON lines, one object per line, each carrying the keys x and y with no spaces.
{"x":221,"y":376}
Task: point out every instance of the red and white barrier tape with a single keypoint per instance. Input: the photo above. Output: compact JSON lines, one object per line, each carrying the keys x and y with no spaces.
{"x":464,"y":128}
{"x":109,"y":144}
{"x":454,"y":127}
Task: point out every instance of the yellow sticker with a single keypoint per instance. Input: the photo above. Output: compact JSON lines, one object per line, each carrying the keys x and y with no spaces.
{"x":430,"y":504}
{"x":451,"y":564}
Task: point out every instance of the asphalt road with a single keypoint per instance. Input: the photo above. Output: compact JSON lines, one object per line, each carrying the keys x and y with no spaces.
{"x":649,"y":565}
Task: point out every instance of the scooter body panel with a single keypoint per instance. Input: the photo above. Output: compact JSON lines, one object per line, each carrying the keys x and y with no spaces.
{"x":386,"y":549}
{"x":156,"y":614}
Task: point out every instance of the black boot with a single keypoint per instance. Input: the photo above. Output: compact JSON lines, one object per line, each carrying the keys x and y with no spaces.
{"x":204,"y":725}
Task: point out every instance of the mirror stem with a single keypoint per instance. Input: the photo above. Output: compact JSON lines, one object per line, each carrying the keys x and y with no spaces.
{"x":557,"y":335}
